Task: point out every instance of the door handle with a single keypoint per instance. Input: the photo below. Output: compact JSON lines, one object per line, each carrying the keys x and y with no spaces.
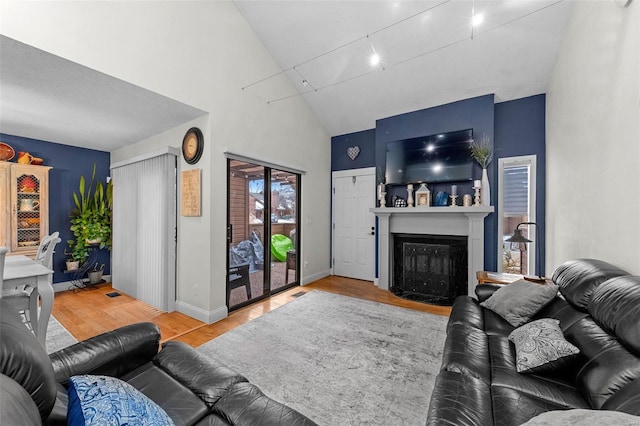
{"x":373,"y":230}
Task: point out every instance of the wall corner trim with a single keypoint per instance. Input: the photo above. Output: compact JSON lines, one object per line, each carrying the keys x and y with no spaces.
{"x":200,"y":314}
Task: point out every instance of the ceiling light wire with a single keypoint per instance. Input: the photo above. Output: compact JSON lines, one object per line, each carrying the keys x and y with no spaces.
{"x":349,"y":43}
{"x":395,"y":64}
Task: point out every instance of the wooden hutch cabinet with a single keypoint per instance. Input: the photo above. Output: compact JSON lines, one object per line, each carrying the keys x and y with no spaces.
{"x":24,"y":212}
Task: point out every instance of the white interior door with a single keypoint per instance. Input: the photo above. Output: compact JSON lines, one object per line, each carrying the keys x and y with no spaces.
{"x":353,"y":223}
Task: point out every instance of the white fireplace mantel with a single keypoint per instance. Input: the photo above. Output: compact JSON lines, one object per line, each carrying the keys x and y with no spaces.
{"x":422,"y":220}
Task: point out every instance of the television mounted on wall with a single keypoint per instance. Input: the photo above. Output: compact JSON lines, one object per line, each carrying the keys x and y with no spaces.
{"x":443,"y":157}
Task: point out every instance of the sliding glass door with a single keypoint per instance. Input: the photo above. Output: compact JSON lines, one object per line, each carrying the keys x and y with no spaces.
{"x":262,"y":231}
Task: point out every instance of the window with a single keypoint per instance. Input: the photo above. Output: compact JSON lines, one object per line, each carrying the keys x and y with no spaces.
{"x":516,"y":204}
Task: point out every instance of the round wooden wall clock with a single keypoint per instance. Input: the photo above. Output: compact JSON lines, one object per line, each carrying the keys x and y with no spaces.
{"x":192,"y":145}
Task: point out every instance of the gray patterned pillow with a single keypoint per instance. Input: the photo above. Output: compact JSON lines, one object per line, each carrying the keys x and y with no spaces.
{"x":541,"y":347}
{"x":519,"y":301}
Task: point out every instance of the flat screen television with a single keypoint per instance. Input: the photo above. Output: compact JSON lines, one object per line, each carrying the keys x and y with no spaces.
{"x":443,"y":157}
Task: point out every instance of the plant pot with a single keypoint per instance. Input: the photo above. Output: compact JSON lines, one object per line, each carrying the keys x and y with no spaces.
{"x":95,"y":277}
{"x":73,"y":265}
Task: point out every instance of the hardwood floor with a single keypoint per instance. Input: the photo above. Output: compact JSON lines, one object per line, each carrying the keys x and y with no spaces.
{"x":87,"y":313}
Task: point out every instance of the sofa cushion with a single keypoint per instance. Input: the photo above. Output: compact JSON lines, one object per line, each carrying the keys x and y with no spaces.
{"x":245,"y":404}
{"x":98,"y":400}
{"x":519,"y":301}
{"x":626,"y":399}
{"x":541,"y":347}
{"x":583,"y":417}
{"x":23,"y":359}
{"x":579,"y":278}
{"x":467,"y":311}
{"x":606,"y":365}
{"x":204,"y":376}
{"x":181,"y":404}
{"x":466,"y":350}
{"x":615,"y":305}
{"x":557,"y":388}
{"x":21,"y":408}
{"x":514,"y":407}
{"x":460,"y":400}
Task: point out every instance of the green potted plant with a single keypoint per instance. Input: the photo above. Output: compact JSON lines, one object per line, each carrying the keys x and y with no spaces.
{"x":91,"y":217}
{"x":75,"y":254}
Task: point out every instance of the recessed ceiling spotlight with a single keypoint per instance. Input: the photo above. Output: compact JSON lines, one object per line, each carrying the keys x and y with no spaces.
{"x":431,"y":147}
{"x":477,"y":19}
{"x":437,"y":168}
{"x":374,"y":59}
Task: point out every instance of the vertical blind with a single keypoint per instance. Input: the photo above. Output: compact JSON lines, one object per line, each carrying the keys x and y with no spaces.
{"x":144,"y":222}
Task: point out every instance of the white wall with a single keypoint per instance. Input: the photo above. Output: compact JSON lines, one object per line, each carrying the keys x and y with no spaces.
{"x":593,"y":138}
{"x":201,"y":54}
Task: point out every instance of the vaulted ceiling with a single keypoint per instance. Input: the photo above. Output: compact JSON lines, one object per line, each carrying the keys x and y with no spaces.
{"x":429,"y":52}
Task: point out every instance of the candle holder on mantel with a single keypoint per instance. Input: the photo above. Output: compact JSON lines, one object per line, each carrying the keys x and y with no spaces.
{"x":410,"y":195}
{"x":453,"y":200}
{"x":476,"y":196}
{"x":383,"y":200}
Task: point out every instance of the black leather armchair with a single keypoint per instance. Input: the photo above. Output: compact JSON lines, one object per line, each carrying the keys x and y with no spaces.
{"x":190,"y":387}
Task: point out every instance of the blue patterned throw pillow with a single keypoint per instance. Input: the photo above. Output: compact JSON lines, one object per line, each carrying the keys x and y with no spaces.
{"x":103,"y":400}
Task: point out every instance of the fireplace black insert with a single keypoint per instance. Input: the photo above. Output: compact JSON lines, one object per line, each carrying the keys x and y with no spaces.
{"x":429,"y":268}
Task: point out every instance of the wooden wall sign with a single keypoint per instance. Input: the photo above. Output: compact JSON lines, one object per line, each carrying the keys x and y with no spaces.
{"x":191,"y":195}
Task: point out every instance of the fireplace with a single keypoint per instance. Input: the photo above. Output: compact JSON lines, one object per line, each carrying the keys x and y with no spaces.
{"x":429,"y":268}
{"x":458,"y":221}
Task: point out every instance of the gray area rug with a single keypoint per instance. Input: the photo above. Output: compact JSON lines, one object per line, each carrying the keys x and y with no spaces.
{"x":57,"y":336}
{"x":340,"y":360}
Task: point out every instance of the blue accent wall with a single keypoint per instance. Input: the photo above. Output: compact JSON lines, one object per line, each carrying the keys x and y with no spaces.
{"x":365,"y":140}
{"x":68,"y":164}
{"x":475,"y":113}
{"x":515,"y":127}
{"x":520,"y":130}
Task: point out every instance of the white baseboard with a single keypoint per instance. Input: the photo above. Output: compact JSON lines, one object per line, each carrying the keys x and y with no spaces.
{"x":375,"y":282}
{"x":311,"y":278}
{"x":200,"y":314}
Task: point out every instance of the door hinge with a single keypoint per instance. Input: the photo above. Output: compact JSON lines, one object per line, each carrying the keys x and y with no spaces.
{"x":334,"y":225}
{"x":334,"y":189}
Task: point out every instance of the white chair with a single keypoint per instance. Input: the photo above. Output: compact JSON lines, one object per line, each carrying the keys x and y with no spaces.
{"x":25,"y":297}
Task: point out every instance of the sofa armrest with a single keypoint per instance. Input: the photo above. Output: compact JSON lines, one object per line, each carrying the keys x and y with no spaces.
{"x":113,"y":353}
{"x":484,"y":291}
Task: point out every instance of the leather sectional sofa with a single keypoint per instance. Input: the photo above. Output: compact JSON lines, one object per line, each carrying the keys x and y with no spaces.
{"x":191,"y":388}
{"x":598,"y":308}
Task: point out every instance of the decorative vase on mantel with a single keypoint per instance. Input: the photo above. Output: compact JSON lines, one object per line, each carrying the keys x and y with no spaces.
{"x":485,"y":191}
